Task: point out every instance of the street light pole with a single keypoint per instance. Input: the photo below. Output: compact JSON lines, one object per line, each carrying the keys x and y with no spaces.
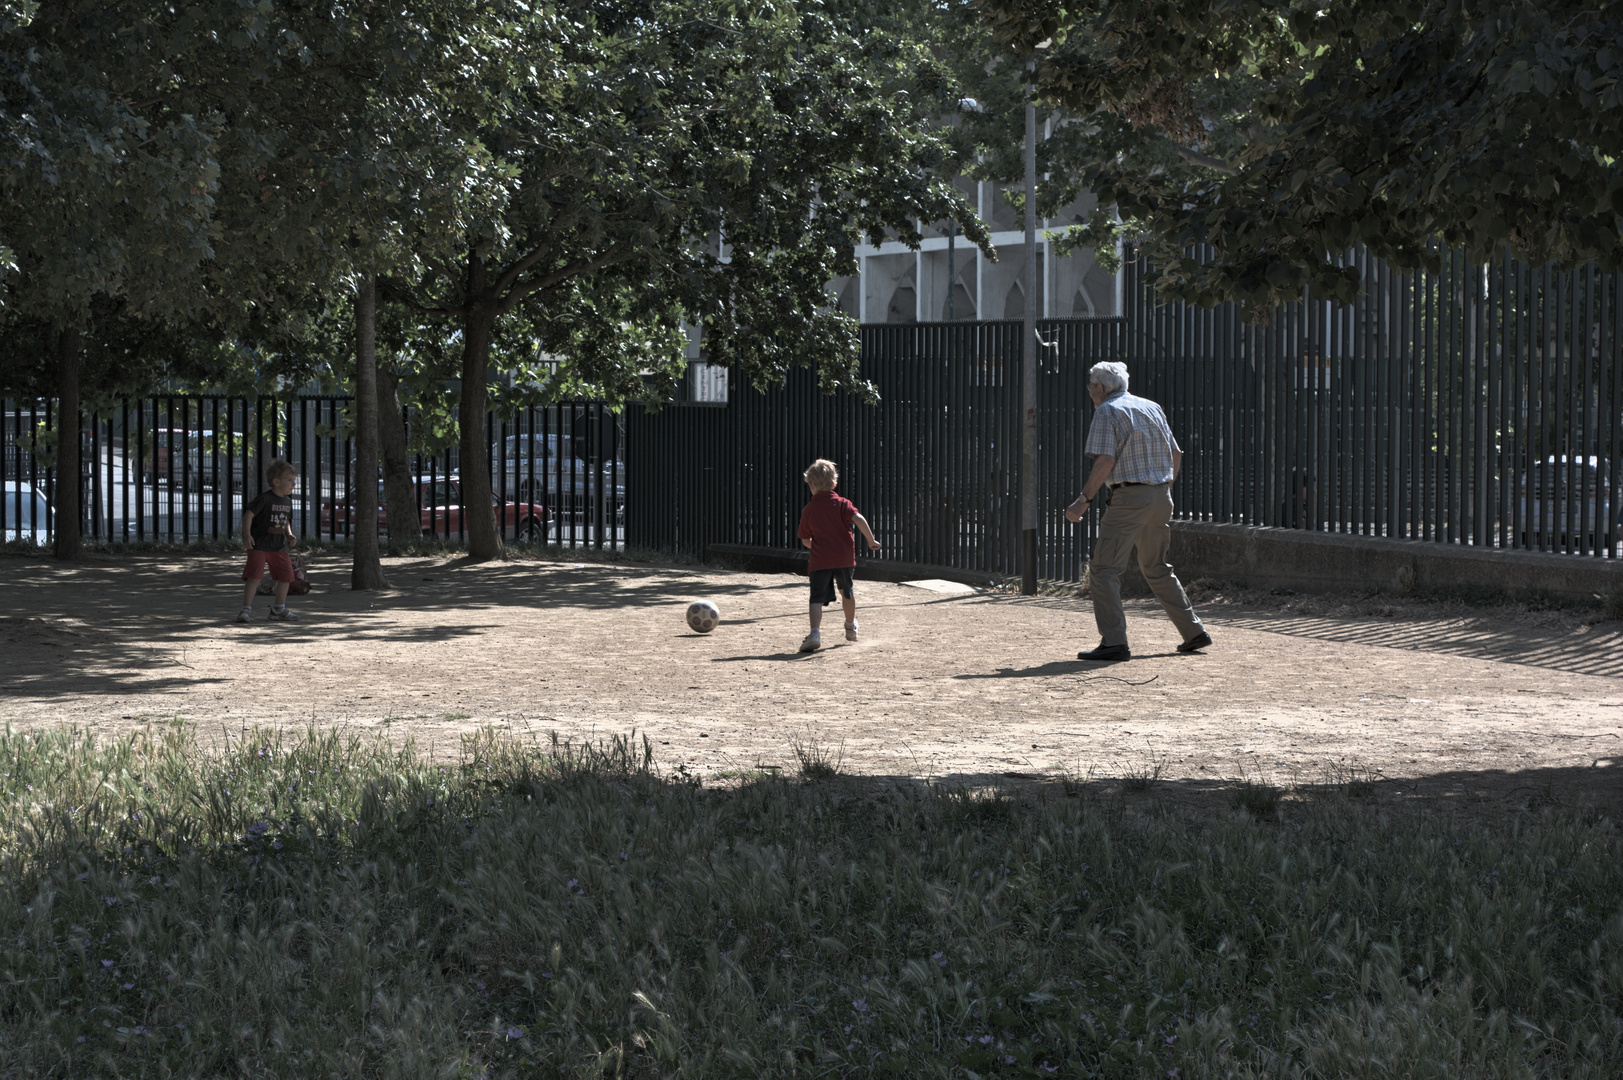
{"x":1028,"y":354}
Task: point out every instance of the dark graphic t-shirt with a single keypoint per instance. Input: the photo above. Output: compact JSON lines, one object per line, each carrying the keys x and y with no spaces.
{"x":273,"y":519}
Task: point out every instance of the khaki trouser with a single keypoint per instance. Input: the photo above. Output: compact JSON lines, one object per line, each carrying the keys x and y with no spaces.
{"x":1138,"y":516}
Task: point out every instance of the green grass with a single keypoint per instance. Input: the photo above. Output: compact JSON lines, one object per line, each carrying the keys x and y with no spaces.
{"x":1143,"y":777}
{"x":1258,"y":799}
{"x":817,"y":759}
{"x":329,"y":907}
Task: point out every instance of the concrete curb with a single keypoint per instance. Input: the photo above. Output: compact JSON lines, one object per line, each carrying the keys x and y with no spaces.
{"x":1266,"y":558}
{"x":771,"y":560}
{"x":1256,"y":557}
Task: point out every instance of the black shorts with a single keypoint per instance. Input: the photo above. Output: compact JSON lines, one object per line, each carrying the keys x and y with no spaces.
{"x":823,"y":582}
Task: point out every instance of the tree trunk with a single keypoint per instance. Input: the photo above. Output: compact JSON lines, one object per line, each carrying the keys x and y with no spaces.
{"x":484,"y":538}
{"x":67,"y":509}
{"x":400,"y":494}
{"x":366,"y":571}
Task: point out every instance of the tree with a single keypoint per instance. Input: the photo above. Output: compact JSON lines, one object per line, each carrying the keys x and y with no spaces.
{"x":104,"y":198}
{"x":600,"y":174}
{"x":367,"y":571}
{"x":207,"y":169}
{"x":655,"y":162}
{"x":1403,"y":126}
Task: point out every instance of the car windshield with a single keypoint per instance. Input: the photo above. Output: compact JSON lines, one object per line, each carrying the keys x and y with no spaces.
{"x":532,"y":446}
{"x":22,"y":511}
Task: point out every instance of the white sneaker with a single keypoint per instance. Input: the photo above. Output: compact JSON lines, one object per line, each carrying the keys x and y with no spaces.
{"x":813,"y":642}
{"x":245,"y":615}
{"x":284,"y":615}
{"x":851,"y":632}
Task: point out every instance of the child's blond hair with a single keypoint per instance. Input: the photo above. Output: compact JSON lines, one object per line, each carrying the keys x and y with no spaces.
{"x":823,"y":475}
{"x":280,"y":467}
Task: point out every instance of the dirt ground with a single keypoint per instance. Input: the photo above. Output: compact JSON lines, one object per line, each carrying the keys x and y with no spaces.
{"x":1494,"y":706}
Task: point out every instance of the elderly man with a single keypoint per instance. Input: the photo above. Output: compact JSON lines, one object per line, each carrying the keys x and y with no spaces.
{"x":1135,"y":454}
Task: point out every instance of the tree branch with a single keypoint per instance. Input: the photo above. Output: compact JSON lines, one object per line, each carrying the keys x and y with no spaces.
{"x":1195,"y":157}
{"x":514,"y":272}
{"x":546,"y":281}
{"x":393,"y":288}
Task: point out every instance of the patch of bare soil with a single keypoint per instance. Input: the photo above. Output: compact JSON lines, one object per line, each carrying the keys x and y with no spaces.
{"x":1392,"y":698}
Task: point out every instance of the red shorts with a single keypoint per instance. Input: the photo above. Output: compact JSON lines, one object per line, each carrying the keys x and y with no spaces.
{"x":281,"y":567}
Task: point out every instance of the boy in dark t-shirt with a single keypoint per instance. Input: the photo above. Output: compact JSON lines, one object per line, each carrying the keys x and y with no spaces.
{"x":825,"y":527}
{"x":267,"y":536}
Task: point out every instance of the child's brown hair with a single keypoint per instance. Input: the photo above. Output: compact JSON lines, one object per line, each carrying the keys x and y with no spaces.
{"x":278,"y":468}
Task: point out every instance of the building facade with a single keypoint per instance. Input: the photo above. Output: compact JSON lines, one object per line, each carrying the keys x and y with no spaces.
{"x":948,"y":279}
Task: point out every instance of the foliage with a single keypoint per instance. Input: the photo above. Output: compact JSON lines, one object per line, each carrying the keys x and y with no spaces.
{"x":656,"y":162}
{"x":1402,"y":125}
{"x":331,"y":906}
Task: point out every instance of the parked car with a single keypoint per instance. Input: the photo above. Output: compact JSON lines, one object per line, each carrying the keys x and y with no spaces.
{"x":25,"y":513}
{"x":440,"y":504}
{"x":537,"y":470}
{"x":200,"y":458}
{"x":1567,"y":501}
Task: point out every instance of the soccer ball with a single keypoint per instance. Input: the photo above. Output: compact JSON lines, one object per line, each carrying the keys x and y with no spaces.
{"x":703,"y":616}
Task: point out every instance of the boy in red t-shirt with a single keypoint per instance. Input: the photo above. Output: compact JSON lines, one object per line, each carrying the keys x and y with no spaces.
{"x":825,"y":527}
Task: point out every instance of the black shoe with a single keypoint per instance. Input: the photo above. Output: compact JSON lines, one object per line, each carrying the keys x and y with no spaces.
{"x":1196,"y":643}
{"x":1107,"y":652}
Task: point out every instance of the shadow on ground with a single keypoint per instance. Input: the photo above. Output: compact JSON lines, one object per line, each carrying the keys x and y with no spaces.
{"x":1598,"y":652}
{"x":108,"y":623}
{"x":1592,"y":791}
{"x":111,"y":624}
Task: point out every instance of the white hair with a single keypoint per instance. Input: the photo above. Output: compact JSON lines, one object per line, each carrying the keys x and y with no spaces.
{"x":1110,"y":374}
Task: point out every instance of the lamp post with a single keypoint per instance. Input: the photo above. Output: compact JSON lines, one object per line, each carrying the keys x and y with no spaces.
{"x":1028,"y":351}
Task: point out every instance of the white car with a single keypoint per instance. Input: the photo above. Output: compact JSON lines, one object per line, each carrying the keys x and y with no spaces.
{"x":24,"y":514}
{"x":538,"y":472}
{"x":1568,"y":501}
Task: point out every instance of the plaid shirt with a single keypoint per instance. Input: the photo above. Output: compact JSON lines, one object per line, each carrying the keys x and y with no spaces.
{"x":1134,"y":431}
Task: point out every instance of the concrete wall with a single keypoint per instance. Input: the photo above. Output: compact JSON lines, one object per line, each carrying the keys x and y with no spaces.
{"x":1264,"y":558}
{"x":1261,"y":558}
{"x":765,"y":560}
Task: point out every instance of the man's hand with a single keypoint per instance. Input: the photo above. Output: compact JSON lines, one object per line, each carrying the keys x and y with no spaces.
{"x":873,"y":545}
{"x":1076,"y":510}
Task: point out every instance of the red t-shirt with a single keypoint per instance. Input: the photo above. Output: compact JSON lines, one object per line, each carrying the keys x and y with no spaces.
{"x":826,"y":522}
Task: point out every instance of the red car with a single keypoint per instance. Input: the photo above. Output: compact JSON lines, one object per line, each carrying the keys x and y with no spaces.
{"x":440,"y":503}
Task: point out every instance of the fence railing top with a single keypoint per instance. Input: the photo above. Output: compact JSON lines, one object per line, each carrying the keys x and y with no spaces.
{"x":971,"y":323}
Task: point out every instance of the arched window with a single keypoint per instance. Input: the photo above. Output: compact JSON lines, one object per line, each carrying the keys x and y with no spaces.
{"x":847,"y":302}
{"x":904,"y":304}
{"x":1014,"y":307}
{"x":963,"y":305}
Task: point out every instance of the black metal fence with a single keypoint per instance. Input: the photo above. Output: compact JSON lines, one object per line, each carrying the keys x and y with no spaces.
{"x":933,"y":465}
{"x":180,"y":468}
{"x":1480,"y":405}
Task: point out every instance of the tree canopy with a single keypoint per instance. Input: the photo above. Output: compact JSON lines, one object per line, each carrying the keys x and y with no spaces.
{"x":1288,"y":132}
{"x":594,"y":175}
{"x":658,"y":163}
